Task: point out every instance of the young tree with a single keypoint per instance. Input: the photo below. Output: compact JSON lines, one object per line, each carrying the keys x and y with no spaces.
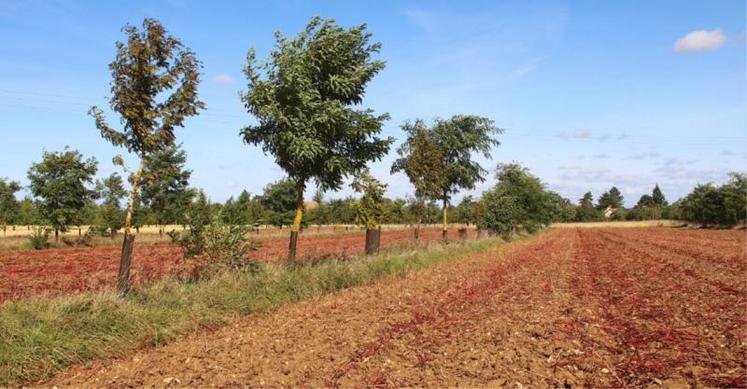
{"x":458,"y":138}
{"x":8,"y":203}
{"x":154,"y":89}
{"x":111,"y":190}
{"x":59,"y":181}
{"x":368,"y":210}
{"x":306,"y":98}
{"x":423,"y":164}
{"x":165,"y":185}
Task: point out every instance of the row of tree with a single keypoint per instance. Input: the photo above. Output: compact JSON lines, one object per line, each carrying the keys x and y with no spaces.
{"x":63,"y":185}
{"x":65,"y":194}
{"x":307,"y":100}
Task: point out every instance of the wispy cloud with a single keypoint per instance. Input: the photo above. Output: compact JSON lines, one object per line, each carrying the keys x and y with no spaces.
{"x":644,"y":155}
{"x":524,"y":69}
{"x":584,"y":134}
{"x":700,"y":40}
{"x":223,"y":79}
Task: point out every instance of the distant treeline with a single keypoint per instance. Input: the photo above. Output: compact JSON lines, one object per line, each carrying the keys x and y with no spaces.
{"x":65,"y":194}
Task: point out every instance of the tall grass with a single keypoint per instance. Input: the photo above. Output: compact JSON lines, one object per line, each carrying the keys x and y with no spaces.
{"x":40,"y":336}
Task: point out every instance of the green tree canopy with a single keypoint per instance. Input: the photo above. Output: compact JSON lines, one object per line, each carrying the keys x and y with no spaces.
{"x":454,"y":141}
{"x":421,"y":161}
{"x":459,"y":138}
{"x":279,"y":198}
{"x":645,"y":201}
{"x":60,"y":182}
{"x":28,"y":212}
{"x":109,"y":216}
{"x":307,"y":100}
{"x":518,"y":199}
{"x":612,"y":198}
{"x":586,"y":212}
{"x":657,"y":197}
{"x":245,"y":210}
{"x":111,"y":190}
{"x":369,"y":209}
{"x":165,"y":185}
{"x":724,"y":205}
{"x":8,"y":203}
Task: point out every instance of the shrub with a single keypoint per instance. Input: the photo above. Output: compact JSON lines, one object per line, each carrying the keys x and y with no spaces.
{"x":39,"y":238}
{"x":215,"y":247}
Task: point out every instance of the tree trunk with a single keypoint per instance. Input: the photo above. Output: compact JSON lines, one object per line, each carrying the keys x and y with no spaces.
{"x":373,"y":240}
{"x":479,"y":233}
{"x":296,"y":224}
{"x":56,"y":235}
{"x":462,"y":234}
{"x":123,"y":277}
{"x":445,"y":231}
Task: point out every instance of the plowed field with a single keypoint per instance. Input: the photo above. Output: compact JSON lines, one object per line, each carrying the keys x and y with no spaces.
{"x":601,"y":308}
{"x":26,"y":273}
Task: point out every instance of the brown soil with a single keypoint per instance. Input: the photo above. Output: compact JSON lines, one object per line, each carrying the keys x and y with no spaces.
{"x":571,"y":307}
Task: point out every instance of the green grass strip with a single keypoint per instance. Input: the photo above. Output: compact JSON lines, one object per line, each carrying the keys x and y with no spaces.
{"x":40,"y":336}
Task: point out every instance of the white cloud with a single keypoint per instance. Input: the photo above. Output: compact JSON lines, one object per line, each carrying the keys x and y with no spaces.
{"x":700,"y":40}
{"x":223,"y":79}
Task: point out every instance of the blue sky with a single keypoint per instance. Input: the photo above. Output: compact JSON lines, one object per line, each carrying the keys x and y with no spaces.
{"x":591,"y":94}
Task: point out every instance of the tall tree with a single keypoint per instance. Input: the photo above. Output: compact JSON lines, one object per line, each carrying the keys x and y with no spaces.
{"x":586,"y":211}
{"x":60,"y":181}
{"x":306,"y":98}
{"x":657,"y":197}
{"x":110,"y":215}
{"x":423,"y":164}
{"x":8,"y":203}
{"x":612,"y":198}
{"x":165,"y":185}
{"x":154,"y":89}
{"x":459,"y":138}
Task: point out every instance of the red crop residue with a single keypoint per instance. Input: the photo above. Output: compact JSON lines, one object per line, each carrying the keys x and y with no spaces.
{"x":54,"y":272}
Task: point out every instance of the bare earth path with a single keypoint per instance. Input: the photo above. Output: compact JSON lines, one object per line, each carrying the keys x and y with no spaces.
{"x":579,"y":307}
